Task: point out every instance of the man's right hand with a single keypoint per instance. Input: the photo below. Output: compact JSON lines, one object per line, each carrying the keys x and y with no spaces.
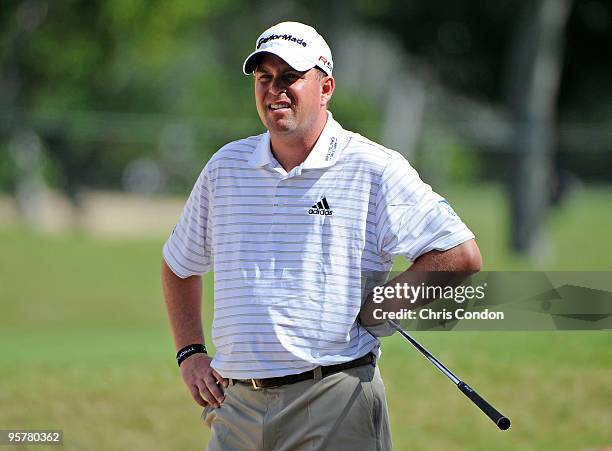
{"x":204,"y":383}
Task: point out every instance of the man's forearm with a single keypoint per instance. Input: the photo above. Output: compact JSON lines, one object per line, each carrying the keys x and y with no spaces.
{"x":435,"y":268}
{"x":183,"y":299}
{"x":463,"y":258}
{"x":184,"y":304}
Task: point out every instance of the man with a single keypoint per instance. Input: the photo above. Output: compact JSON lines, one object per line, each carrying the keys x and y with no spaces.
{"x":288,"y":221}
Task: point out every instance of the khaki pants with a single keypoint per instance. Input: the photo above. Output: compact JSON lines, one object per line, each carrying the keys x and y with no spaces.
{"x":343,"y":411}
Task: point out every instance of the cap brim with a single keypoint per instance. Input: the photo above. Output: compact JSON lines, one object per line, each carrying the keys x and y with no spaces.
{"x":295,"y":61}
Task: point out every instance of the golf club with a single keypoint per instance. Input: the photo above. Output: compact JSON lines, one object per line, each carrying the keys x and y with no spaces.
{"x":500,"y":420}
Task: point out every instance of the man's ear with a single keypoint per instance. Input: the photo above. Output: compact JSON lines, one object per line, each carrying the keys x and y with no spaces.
{"x":327,"y":89}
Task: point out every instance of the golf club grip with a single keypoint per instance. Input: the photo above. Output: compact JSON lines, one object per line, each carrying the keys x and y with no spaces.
{"x":501,"y":421}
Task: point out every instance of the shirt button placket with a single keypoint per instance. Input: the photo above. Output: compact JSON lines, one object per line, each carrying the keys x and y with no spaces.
{"x":278,"y":192}
{"x":276,"y":196}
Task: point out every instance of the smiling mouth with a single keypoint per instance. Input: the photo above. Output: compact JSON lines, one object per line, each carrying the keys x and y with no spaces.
{"x":278,"y":106}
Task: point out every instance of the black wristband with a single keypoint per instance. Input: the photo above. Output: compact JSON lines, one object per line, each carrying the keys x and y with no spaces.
{"x":189,"y":350}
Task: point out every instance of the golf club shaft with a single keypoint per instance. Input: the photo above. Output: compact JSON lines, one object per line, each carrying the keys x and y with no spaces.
{"x":500,"y":420}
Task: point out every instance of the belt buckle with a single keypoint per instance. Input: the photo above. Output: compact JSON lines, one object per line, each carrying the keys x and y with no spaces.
{"x":255,"y":385}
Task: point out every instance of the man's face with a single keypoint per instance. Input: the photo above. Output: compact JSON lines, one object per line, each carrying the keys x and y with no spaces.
{"x":288,"y":101}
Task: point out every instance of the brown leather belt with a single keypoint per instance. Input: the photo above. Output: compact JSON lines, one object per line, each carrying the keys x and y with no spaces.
{"x":317,"y":373}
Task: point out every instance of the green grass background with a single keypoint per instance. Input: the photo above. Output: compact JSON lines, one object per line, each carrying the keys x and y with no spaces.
{"x":85,"y":347}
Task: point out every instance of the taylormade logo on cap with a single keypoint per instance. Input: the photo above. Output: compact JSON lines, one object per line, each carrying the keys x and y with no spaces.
{"x":297,"y":44}
{"x":286,"y":37}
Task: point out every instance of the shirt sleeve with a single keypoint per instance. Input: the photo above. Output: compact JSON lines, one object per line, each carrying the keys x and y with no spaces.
{"x":188,"y":250}
{"x":412,"y":218}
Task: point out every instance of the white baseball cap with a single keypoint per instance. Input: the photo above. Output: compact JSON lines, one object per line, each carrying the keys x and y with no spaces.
{"x":297,"y":44}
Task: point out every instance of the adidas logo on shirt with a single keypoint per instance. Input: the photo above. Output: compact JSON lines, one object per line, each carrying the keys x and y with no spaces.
{"x":321,"y":208}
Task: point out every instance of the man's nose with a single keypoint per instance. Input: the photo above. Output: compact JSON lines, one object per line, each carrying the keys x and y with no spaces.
{"x":278,"y":85}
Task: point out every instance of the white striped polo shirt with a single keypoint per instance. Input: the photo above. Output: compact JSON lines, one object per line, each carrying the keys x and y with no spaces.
{"x":288,"y":249}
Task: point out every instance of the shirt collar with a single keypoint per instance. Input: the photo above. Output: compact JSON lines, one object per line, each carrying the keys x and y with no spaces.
{"x":262,"y":155}
{"x":325,"y":153}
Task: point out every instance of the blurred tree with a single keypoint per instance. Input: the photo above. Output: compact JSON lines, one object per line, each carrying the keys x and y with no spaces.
{"x":533,"y":74}
{"x":63,"y":61}
{"x":481,"y":48}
